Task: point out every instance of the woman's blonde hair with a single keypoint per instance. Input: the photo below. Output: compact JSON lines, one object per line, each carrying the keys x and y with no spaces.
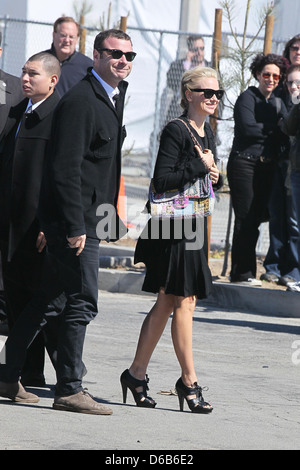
{"x":189,"y":79}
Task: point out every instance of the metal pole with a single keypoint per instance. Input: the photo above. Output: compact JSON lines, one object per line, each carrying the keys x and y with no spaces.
{"x":123,"y":24}
{"x":268,"y":34}
{"x":6,"y":19}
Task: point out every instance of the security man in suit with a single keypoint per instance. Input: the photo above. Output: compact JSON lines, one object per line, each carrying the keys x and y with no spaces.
{"x":26,"y":139}
{"x":10,"y":95}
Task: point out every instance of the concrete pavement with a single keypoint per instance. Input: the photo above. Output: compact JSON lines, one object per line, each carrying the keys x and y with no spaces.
{"x":273,"y":302}
{"x":249,"y":361}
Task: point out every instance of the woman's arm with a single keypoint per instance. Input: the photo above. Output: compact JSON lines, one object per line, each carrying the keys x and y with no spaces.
{"x":173,"y":169}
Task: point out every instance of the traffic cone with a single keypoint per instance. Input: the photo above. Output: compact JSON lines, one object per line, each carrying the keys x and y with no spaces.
{"x":121,"y":204}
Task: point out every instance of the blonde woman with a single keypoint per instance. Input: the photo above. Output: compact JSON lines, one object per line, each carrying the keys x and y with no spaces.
{"x":177,"y":271}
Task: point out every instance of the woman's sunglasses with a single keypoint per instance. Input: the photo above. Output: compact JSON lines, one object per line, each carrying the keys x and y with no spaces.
{"x":267,"y":75}
{"x":117,"y":54}
{"x":290,"y":83}
{"x":209,"y":93}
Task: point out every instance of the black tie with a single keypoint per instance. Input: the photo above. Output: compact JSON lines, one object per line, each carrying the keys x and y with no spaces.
{"x":115,"y":99}
{"x":28,"y":111}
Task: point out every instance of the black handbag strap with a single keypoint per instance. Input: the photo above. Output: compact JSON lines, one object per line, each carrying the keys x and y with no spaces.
{"x":195,"y":141}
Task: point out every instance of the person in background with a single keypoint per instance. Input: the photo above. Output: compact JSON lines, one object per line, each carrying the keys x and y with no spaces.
{"x":74,"y":64}
{"x":291,"y":126}
{"x":282,"y":263}
{"x":250,"y":168}
{"x":177,"y":267}
{"x":25,"y":142}
{"x":10,"y":95}
{"x":170,"y":101}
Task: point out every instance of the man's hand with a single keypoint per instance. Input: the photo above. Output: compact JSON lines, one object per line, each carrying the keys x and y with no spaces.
{"x":40,"y":242}
{"x":77,"y":242}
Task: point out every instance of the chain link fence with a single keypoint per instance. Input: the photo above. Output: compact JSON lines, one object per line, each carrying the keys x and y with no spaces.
{"x":149,"y":97}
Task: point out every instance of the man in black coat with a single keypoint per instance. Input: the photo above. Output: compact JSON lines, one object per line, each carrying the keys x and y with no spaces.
{"x":78,"y":208}
{"x":25,"y":142}
{"x":10,"y":92}
{"x":10,"y":95}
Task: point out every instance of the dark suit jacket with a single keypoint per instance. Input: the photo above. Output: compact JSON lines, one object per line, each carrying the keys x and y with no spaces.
{"x":10,"y":95}
{"x":21,"y":167}
{"x":84,"y":167}
{"x":73,"y":69}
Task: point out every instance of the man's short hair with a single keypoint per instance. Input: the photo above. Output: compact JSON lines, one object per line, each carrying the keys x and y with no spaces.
{"x":65,"y":19}
{"x":115,"y":33}
{"x":50,"y":62}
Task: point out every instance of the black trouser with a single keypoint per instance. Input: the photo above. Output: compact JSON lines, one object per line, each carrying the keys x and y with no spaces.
{"x":77,"y":278}
{"x":250,"y":182}
{"x":21,"y":278}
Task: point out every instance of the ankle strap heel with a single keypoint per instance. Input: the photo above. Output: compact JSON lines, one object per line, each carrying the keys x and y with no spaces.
{"x":141,"y":398}
{"x":197,"y":404}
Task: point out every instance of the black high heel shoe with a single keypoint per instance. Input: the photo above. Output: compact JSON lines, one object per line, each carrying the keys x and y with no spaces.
{"x":196,"y":405}
{"x":141,"y":398}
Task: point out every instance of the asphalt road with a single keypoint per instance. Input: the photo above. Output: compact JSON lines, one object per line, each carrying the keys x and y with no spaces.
{"x":250,"y":362}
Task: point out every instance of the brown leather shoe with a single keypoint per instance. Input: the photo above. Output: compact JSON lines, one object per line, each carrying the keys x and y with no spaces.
{"x":81,"y":402}
{"x":16,"y":392}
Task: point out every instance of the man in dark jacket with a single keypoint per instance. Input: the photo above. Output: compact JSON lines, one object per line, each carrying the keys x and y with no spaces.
{"x":10,"y":95}
{"x":10,"y":92}
{"x":80,"y":191}
{"x":74,"y":64}
{"x":25,"y":142}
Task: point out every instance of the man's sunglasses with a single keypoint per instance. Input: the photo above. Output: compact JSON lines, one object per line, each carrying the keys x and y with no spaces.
{"x":267,"y":75}
{"x":294,"y":48}
{"x":117,"y":54}
{"x":209,"y":93}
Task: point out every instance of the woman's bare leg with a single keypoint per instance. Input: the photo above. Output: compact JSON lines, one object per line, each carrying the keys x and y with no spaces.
{"x":182,"y":330}
{"x":151,"y":331}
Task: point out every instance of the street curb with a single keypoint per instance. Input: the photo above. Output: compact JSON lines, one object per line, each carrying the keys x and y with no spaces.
{"x":251,"y":299}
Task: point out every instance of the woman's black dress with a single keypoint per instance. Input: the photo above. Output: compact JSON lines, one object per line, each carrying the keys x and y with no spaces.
{"x":177,"y":261}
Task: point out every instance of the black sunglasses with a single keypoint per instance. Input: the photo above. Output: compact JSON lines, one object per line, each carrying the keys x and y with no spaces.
{"x":209,"y":93}
{"x":117,"y":54}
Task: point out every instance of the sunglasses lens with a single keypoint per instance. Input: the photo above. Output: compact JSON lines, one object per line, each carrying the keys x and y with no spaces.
{"x":130,"y":56}
{"x":219,"y":94}
{"x":116,"y":54}
{"x":268,"y":75}
{"x":208,"y":93}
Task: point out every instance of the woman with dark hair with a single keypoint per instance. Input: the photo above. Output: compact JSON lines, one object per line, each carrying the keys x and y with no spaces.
{"x":251,"y":162}
{"x":292,"y":50}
